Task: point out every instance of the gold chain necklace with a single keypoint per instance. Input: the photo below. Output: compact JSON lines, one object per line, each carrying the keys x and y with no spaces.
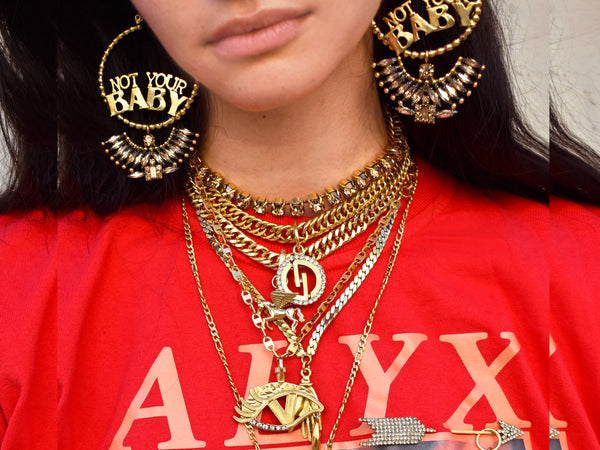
{"x":328,"y":220}
{"x":357,"y":215}
{"x":334,"y":196}
{"x":308,"y":408}
{"x":276,"y":310}
{"x":332,"y":229}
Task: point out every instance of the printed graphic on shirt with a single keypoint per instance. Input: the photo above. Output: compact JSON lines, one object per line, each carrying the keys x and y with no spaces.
{"x":163,"y":376}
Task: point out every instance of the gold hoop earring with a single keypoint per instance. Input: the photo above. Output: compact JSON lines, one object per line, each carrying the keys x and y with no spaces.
{"x":425,"y":97}
{"x":163,"y":92}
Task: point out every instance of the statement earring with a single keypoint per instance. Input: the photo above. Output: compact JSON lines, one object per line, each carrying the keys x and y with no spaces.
{"x":425,"y":97}
{"x":164,"y":92}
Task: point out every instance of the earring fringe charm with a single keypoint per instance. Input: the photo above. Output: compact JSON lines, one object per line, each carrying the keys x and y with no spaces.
{"x":425,"y":93}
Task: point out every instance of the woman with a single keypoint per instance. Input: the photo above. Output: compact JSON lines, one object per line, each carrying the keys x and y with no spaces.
{"x":215,"y":325}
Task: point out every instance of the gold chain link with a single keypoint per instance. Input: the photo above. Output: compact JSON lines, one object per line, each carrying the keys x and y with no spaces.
{"x":308,"y":229}
{"x":214,"y":332}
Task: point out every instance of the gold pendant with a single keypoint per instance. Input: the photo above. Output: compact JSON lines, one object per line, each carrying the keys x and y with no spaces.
{"x":302,"y":407}
{"x":300,"y":265}
{"x":280,"y":310}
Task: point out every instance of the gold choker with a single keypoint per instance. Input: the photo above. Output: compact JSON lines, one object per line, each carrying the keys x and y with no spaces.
{"x":297,"y":206}
{"x":316,"y":202}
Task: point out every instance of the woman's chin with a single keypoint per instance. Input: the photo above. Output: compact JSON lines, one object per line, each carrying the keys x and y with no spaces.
{"x":266,"y":99}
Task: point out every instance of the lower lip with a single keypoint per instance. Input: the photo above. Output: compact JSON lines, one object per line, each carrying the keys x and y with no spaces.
{"x":260,"y":41}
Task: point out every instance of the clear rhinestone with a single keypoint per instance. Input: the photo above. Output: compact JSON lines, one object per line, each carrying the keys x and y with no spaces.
{"x":464,"y":78}
{"x":466,"y":69}
{"x":361,"y":178}
{"x":277,"y":207}
{"x":451,"y":91}
{"x":348,"y":187}
{"x":297,"y":207}
{"x":456,"y":84}
{"x":333,"y":196}
{"x":443,"y":94}
{"x":228,"y":190}
{"x":148,"y":140}
{"x":315,"y":202}
{"x":243,"y":200}
{"x":260,"y":205}
{"x":375,"y":170}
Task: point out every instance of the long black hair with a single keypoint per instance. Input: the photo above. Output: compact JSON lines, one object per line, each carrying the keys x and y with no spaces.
{"x":28,"y":106}
{"x":48,"y":101}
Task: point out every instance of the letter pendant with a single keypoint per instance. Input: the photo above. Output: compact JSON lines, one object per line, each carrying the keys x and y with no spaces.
{"x":296,"y":269}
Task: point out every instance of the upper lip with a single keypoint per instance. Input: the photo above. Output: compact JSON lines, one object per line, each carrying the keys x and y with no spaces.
{"x":261,"y":19}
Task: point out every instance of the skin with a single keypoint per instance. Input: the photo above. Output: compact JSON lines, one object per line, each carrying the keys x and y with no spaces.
{"x":289,"y":121}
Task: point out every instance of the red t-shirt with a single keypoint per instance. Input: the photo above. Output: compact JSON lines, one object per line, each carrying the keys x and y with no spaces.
{"x":461,"y":338}
{"x":28,"y":359}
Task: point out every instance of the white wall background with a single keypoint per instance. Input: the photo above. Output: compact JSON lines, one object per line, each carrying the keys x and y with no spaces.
{"x":575,"y":64}
{"x":526,"y":29}
{"x":558,"y":38}
{"x":549,"y":36}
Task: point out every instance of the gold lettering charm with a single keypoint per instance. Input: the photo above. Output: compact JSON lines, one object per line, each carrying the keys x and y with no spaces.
{"x":299,"y":267}
{"x":160,"y":92}
{"x":399,"y":39}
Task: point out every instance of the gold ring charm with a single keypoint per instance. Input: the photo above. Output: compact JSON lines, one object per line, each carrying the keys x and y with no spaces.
{"x":293,"y":263}
{"x":164,"y":92}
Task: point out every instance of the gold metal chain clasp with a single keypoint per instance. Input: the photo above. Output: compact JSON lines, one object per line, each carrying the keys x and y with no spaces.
{"x":506,"y":433}
{"x":479,"y":434}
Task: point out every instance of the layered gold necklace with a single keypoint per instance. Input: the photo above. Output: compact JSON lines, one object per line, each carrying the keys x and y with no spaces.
{"x":381,"y":201}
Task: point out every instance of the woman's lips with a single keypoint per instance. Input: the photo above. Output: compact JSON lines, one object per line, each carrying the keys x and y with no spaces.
{"x":260,"y":33}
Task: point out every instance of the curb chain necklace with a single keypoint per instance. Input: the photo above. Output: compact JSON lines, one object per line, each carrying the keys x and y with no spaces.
{"x":373,"y":204}
{"x":333,"y":227}
{"x":206,"y":213}
{"x":345,"y":190}
{"x":305,"y":409}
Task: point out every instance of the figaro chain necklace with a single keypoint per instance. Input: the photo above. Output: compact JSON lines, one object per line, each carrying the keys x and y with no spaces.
{"x":308,"y":408}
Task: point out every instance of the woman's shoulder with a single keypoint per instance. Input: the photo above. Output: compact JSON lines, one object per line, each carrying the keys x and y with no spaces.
{"x":27,"y":238}
{"x":128,"y":220}
{"x":445,"y":204}
{"x":92,"y":242}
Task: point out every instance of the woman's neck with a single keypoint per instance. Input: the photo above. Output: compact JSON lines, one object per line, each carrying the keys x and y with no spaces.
{"x":304,"y":147}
